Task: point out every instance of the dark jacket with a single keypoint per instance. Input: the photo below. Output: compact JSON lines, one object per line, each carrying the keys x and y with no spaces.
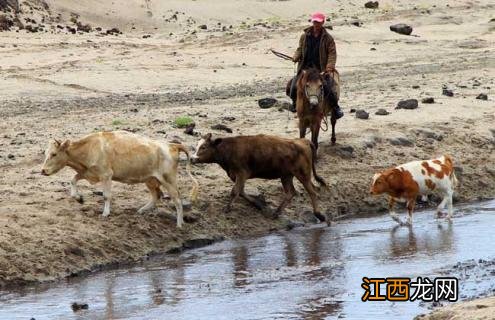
{"x":328,"y":53}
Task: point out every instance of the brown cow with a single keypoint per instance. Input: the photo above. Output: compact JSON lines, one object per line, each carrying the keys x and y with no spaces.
{"x":407,"y":181}
{"x":265,"y":157}
{"x":124,"y":157}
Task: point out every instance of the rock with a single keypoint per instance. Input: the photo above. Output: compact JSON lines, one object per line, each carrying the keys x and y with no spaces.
{"x":11,"y":156}
{"x":408,"y":104}
{"x":361,"y":114}
{"x":266,"y":103}
{"x":429,"y":134}
{"x":415,"y":86}
{"x":79,"y":306}
{"x":482,"y":96}
{"x":84,"y":27}
{"x":113,"y":31}
{"x":5,"y":23}
{"x":447,"y":92}
{"x":356,"y":23}
{"x":308,"y":217}
{"x":401,"y":141}
{"x":345,"y":152}
{"x":221,"y":127}
{"x":401,"y":28}
{"x":34,"y":29}
{"x":352,"y":110}
{"x":228,"y":119}
{"x":428,"y":100}
{"x":382,"y":112}
{"x":294,"y":224}
{"x":200,"y":241}
{"x":146,"y":36}
{"x":371,"y":5}
{"x":371,"y":141}
{"x":190,"y":129}
{"x":203,"y":27}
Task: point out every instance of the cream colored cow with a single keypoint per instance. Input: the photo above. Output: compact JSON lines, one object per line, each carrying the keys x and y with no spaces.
{"x":124,"y":157}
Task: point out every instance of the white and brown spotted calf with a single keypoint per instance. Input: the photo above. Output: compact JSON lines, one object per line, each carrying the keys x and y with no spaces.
{"x":407,"y":181}
{"x":124,"y":157}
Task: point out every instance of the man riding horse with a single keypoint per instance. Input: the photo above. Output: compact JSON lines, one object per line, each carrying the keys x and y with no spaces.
{"x":317,"y":50}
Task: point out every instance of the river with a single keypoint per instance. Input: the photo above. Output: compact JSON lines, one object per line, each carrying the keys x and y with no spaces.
{"x":306,"y":273}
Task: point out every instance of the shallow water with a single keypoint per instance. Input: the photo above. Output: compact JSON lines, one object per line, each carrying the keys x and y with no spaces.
{"x":309,"y":273}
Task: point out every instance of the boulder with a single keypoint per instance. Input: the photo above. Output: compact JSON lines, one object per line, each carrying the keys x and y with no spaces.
{"x":401,"y":141}
{"x":408,"y":104}
{"x":447,"y":92}
{"x":482,"y":96}
{"x":266,"y":103}
{"x":222,"y":127}
{"x":362,"y":114}
{"x":428,"y":100}
{"x":401,"y":28}
{"x":382,"y":112}
{"x":371,"y":5}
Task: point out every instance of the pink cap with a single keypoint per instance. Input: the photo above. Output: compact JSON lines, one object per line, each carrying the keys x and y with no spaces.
{"x":318,"y":17}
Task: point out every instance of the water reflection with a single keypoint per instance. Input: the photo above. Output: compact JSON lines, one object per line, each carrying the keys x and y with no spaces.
{"x":405,"y":242}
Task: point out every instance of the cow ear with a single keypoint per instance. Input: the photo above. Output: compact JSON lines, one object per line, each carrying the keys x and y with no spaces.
{"x":65,"y":145}
{"x":217,"y":141}
{"x":207,"y":137}
{"x":57,"y":142}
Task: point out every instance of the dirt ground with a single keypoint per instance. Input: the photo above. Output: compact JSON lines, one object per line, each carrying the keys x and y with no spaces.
{"x":60,"y":85}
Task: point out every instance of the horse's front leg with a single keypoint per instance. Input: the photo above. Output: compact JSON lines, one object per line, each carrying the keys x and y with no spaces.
{"x":302,"y":129}
{"x":315,"y":132}
{"x":333,"y":121}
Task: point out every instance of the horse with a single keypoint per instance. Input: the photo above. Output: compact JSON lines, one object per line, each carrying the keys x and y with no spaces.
{"x":314,"y":103}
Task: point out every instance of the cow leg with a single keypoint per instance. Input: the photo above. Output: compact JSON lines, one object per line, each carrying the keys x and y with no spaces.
{"x":238,"y":188}
{"x":410,"y":209}
{"x":107,"y":196}
{"x":155,"y":192}
{"x":333,"y":121}
{"x":308,"y":185}
{"x":393,"y":215}
{"x":73,"y":188}
{"x":441,"y":206}
{"x":290,"y":191}
{"x":450,"y":206}
{"x":171,"y":185}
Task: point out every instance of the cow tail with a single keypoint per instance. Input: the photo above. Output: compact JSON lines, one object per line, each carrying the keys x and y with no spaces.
{"x":195,"y":188}
{"x":313,"y":161}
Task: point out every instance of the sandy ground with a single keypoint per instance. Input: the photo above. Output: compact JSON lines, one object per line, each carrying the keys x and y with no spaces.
{"x":476,"y":309}
{"x":60,"y":85}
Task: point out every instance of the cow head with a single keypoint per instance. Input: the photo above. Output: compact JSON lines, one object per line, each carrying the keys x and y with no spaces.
{"x":206,"y":149}
{"x":379,"y":184}
{"x":313,"y":88}
{"x":55,"y":157}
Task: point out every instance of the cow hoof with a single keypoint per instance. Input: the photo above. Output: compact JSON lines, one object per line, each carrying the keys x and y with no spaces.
{"x":320,"y":216}
{"x":105,"y":214}
{"x":80,"y":199}
{"x":227,"y":209}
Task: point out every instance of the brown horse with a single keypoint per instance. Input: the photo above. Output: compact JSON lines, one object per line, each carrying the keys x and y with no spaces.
{"x":314,"y":102}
